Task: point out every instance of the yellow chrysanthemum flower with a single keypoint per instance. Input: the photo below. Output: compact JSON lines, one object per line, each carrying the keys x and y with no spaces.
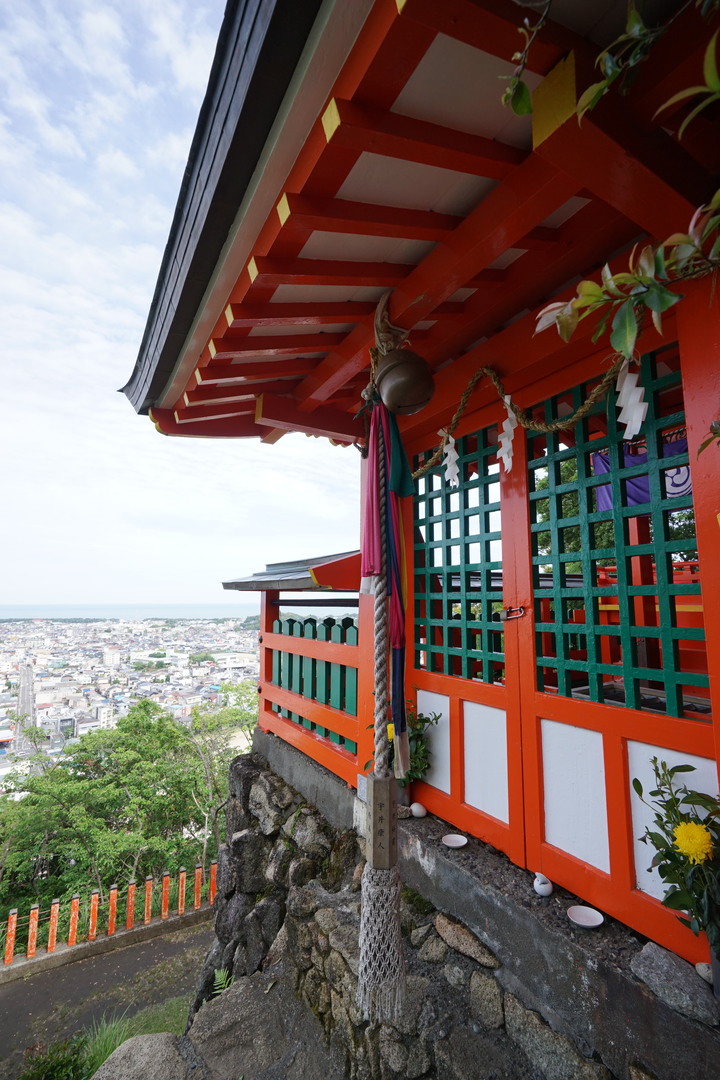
{"x":391,"y":732}
{"x":694,"y":841}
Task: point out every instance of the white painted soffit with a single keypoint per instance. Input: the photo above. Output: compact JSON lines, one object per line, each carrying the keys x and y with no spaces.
{"x":333,"y":36}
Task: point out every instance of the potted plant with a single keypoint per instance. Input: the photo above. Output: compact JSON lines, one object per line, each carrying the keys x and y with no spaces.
{"x":686,"y":838}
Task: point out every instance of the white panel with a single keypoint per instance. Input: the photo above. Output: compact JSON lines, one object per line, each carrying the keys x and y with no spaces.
{"x":438,"y":737}
{"x":574,"y":792}
{"x":704,"y":779}
{"x":347,"y":247}
{"x":389,"y":182}
{"x":486,"y":770}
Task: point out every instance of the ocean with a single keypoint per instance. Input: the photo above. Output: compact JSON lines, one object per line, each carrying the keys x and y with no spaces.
{"x":128,"y":611}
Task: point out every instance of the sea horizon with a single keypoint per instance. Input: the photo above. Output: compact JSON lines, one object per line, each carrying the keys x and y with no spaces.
{"x":128,"y":612}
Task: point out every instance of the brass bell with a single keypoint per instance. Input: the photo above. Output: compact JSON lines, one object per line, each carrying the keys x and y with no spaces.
{"x":404,"y":381}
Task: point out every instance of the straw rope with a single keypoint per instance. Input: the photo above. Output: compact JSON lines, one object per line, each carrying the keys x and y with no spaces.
{"x":382,"y":744}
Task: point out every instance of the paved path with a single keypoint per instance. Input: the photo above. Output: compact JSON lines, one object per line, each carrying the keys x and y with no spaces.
{"x":53,"y":1004}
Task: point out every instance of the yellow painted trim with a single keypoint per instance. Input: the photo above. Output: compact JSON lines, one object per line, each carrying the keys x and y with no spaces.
{"x":186,"y":399}
{"x":400,"y":4}
{"x":229,"y":314}
{"x":252,"y":269}
{"x":554,"y":100}
{"x":211,"y":348}
{"x":283,"y":209}
{"x":312,"y":575}
{"x":258,"y":407}
{"x":331,"y":120}
{"x":155,"y":422}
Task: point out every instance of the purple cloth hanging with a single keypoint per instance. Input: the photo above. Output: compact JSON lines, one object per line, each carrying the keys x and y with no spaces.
{"x":677,"y":481}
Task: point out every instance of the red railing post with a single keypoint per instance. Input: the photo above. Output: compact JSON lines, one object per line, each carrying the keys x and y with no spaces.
{"x":32,"y":931}
{"x":165,"y":897}
{"x":148,"y":899}
{"x":213,"y":881}
{"x":197,"y":898}
{"x":92,"y":925}
{"x":112,"y":910}
{"x":52,"y":932}
{"x":10,"y":936}
{"x":182,"y":879}
{"x":74,"y":914}
{"x":130,"y":910}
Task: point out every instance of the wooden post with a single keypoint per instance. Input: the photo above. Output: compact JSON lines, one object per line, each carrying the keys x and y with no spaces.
{"x":213,"y":881}
{"x":148,"y":899}
{"x":112,"y":910}
{"x":52,"y":932}
{"x":382,"y":832}
{"x":197,"y":898}
{"x":74,"y":914}
{"x":182,"y":878}
{"x":130,"y":909}
{"x":165,"y":896}
{"x":32,"y":931}
{"x":92,"y":926}
{"x":10,"y":936}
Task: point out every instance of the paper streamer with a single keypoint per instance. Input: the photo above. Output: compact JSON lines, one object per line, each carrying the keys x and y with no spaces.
{"x":507,"y":431}
{"x":630,"y":401}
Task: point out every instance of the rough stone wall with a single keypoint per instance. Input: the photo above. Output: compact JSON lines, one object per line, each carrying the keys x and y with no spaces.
{"x":289,"y":885}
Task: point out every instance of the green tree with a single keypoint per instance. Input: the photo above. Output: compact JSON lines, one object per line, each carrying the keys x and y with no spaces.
{"x":201,"y":657}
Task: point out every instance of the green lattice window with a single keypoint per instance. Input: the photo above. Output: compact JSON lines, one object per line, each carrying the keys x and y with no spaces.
{"x":616,"y":579}
{"x":458,"y":565}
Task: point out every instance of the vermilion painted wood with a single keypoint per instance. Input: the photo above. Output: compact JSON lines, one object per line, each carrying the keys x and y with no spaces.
{"x":236,"y":391}
{"x":235,"y":411}
{"x":92,"y":923}
{"x":32,"y":931}
{"x":282,"y":413}
{"x":333,"y":757}
{"x":699,"y":334}
{"x":462,"y":816}
{"x":130,"y":907}
{"x":232,"y":345}
{"x":513,"y":208}
{"x":239,"y":427}
{"x":197,"y":887}
{"x":366,"y":671}
{"x":165,"y":896}
{"x":323,"y":715}
{"x":490,"y":26}
{"x":182,"y":880}
{"x":374,"y":275}
{"x":250,"y":371}
{"x":74,"y":916}
{"x":112,"y":910}
{"x":147,"y":913}
{"x":332,"y":652}
{"x":405,"y":138}
{"x":53,"y":926}
{"x":365,"y":219}
{"x":10,"y":936}
{"x":212,"y":888}
{"x":308,"y":314}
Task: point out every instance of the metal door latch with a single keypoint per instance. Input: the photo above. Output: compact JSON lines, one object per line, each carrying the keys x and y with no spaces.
{"x":510,"y":613}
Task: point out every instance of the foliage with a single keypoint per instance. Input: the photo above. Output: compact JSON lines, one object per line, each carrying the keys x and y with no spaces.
{"x":627,"y":297}
{"x":709,"y":91}
{"x":686,"y":838}
{"x":517,"y":94}
{"x":119,"y":804}
{"x":201,"y":657}
{"x":222,"y":980}
{"x":417,"y":725}
{"x":59,"y":1061}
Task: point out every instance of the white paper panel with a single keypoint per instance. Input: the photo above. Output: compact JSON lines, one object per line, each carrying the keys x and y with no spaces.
{"x":438,"y":737}
{"x":486,"y":771}
{"x":574,"y":790}
{"x":704,"y":779}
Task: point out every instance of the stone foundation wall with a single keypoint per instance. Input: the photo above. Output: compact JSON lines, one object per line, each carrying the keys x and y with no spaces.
{"x":499,"y":985}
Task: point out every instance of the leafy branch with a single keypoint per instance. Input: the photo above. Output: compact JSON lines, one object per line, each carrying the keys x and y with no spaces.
{"x":709,"y":90}
{"x":622,"y":300}
{"x":517,"y":95}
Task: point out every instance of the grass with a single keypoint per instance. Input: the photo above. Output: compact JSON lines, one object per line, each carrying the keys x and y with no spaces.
{"x":81,"y":1057}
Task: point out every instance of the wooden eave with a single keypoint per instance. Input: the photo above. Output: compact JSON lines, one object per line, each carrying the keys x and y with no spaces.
{"x":414,"y":180}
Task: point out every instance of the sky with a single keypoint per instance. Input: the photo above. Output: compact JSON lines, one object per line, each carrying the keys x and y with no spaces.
{"x":98,"y":104}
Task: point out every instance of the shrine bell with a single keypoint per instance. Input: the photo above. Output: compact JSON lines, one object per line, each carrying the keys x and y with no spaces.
{"x":404,"y":381}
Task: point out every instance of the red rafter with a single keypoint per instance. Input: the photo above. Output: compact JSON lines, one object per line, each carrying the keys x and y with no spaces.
{"x":232,"y":345}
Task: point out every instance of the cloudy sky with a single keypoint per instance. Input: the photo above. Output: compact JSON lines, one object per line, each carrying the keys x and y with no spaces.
{"x":98,"y":103}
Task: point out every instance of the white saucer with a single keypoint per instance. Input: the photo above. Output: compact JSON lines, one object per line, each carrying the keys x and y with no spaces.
{"x":453,"y":839}
{"x":587,"y":917}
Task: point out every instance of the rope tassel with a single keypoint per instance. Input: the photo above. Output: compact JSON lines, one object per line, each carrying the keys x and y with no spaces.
{"x":381,"y":974}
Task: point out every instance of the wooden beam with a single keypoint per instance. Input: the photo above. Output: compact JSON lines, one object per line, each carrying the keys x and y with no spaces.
{"x":348,"y":126}
{"x":268,"y":271}
{"x":510,"y":211}
{"x":245,"y":373}
{"x":364,"y":219}
{"x":204,"y":395}
{"x":213,"y":411}
{"x":307,"y":314}
{"x":647,"y":176}
{"x":232,"y":345}
{"x":282,"y":413}
{"x":237,"y":427}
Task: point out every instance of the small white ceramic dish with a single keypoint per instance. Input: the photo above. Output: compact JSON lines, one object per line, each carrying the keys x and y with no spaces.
{"x":586,"y":917}
{"x":453,"y":839}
